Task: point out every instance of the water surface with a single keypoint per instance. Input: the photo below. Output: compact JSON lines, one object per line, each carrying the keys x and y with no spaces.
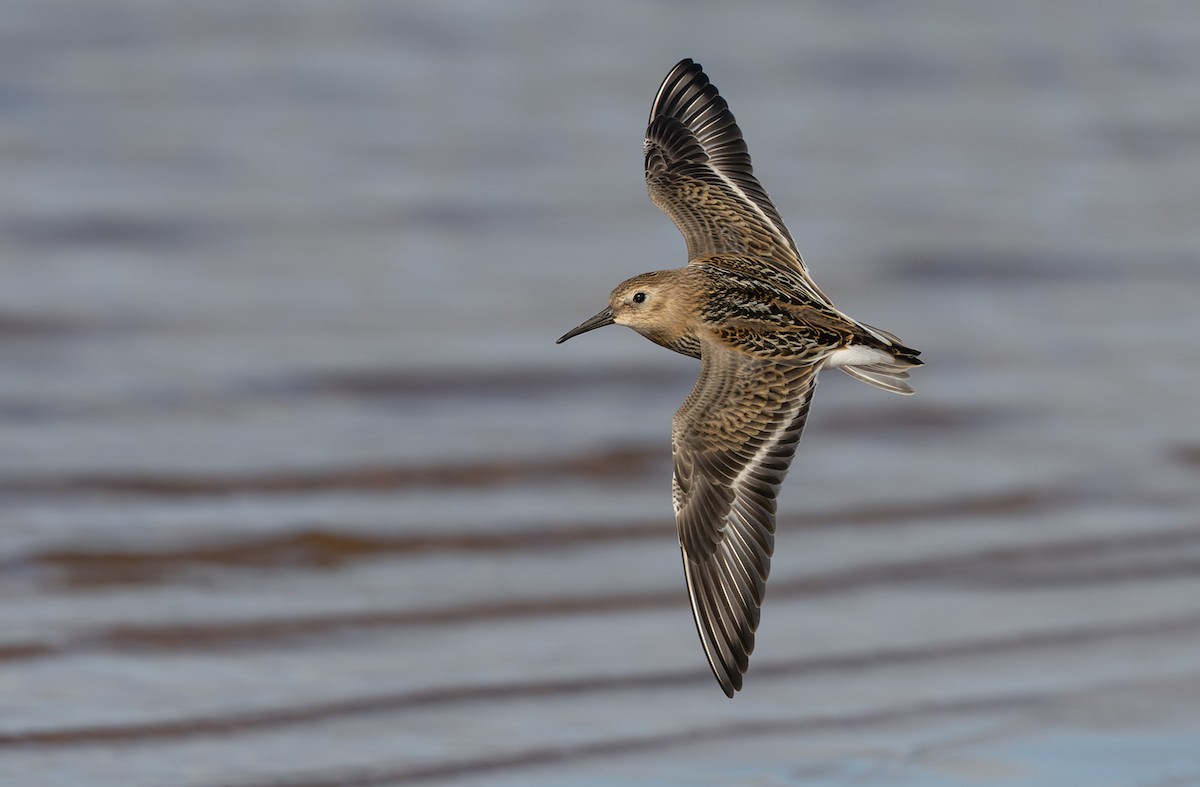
{"x":297,"y":490}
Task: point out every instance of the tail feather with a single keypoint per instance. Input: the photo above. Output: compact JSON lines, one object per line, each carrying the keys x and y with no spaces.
{"x":890,"y":375}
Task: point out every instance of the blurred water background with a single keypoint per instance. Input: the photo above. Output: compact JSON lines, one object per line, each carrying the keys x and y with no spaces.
{"x":297,"y":490}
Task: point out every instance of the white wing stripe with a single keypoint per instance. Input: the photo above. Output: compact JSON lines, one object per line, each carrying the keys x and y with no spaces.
{"x":769,"y":445}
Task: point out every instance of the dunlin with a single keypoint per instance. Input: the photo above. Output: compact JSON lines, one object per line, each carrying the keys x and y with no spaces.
{"x":746,"y":306}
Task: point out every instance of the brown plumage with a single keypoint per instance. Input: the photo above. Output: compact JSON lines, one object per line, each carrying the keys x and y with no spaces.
{"x":746,"y":306}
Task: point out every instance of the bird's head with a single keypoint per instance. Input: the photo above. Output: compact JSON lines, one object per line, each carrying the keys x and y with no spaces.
{"x":653,"y":304}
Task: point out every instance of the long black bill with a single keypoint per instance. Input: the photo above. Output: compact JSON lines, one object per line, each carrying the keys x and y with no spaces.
{"x":599,"y":321}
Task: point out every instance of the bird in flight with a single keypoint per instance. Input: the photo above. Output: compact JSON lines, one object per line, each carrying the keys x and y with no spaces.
{"x":746,"y":306}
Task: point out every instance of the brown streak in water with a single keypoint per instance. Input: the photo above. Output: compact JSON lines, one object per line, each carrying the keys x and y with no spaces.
{"x":322,"y":549}
{"x":111,"y":229}
{"x":985,"y":566}
{"x":1127,"y":571}
{"x":313,"y":549}
{"x":482,"y":383}
{"x":1186,"y":455}
{"x":230,"y":724}
{"x":983,"y":267}
{"x":26,"y":326}
{"x":923,"y":420}
{"x":618,"y":462}
{"x":23,"y":651}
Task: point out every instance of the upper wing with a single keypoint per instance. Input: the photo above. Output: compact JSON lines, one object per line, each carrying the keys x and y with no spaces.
{"x":733,"y":440}
{"x":698,"y":172}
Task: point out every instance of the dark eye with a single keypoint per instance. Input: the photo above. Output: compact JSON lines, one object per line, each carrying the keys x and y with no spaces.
{"x":639,"y":297}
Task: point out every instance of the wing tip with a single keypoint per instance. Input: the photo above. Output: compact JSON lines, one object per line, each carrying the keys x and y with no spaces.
{"x":687,"y":74}
{"x":729,"y":677}
{"x":728,"y":655}
{"x":684,"y":65}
